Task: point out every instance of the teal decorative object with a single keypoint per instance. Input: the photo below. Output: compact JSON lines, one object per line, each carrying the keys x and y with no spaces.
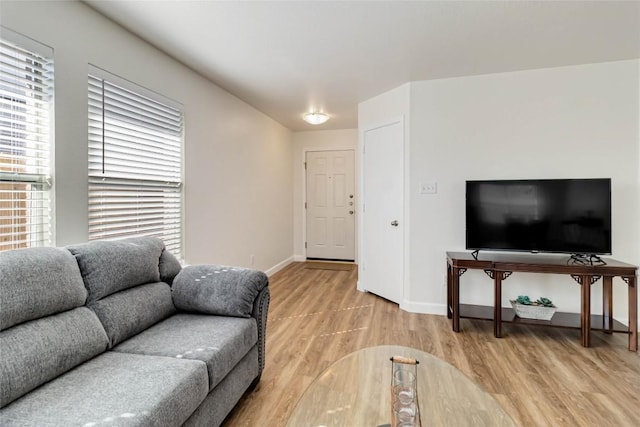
{"x":544,"y":301}
{"x":540,"y":309}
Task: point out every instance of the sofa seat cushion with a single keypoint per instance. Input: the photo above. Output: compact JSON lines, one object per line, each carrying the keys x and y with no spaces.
{"x":221,"y":400}
{"x":220,"y":342}
{"x":115,"y":389}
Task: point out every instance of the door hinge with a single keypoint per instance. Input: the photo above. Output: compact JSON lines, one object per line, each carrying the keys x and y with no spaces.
{"x":305,"y":205}
{"x":305,"y":165}
{"x":305,"y":245}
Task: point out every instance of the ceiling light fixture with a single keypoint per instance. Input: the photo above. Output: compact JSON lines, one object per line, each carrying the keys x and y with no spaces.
{"x":315,"y":118}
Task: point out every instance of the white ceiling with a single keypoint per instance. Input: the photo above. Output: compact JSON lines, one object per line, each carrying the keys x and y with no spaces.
{"x":290,"y":57}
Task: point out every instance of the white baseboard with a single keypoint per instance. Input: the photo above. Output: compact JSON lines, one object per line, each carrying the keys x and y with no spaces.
{"x":424,"y":308}
{"x":299,"y":258}
{"x":273,"y":270}
{"x":416,"y":307}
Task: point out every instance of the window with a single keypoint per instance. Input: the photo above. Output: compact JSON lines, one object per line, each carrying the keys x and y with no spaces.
{"x":26,"y":100}
{"x":135,"y":162}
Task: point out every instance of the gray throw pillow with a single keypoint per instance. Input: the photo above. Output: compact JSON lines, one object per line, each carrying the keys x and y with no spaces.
{"x":216,"y":289}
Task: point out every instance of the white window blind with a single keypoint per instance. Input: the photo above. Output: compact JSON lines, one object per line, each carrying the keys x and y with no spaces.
{"x":26,"y":99}
{"x":135,"y":164}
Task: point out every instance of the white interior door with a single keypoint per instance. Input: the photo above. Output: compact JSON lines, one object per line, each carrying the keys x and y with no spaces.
{"x":381,"y":269}
{"x":331,"y":205}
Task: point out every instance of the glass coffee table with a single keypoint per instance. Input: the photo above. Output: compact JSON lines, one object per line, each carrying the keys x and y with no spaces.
{"x":354,"y":391}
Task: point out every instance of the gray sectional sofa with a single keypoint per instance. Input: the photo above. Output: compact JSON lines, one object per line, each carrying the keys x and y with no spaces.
{"x":118,"y":334}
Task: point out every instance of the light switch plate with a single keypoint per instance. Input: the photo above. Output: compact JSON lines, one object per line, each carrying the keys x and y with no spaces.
{"x":428,"y":187}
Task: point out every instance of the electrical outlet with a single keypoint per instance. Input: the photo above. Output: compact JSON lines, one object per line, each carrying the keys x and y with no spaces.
{"x":428,"y":187}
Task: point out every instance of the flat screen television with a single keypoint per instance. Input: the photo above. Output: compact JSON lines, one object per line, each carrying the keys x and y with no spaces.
{"x":540,"y":215}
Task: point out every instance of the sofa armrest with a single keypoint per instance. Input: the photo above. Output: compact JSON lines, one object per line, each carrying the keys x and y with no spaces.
{"x":218,"y":290}
{"x":260,"y":309}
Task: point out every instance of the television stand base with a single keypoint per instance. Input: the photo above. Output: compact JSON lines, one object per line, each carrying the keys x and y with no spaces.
{"x":501,"y":266}
{"x":475,"y":253}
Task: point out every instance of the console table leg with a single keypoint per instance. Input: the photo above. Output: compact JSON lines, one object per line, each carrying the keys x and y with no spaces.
{"x":585,"y":311}
{"x":449,"y":296}
{"x":455,"y":297}
{"x":607,"y":304}
{"x":497,"y":304}
{"x":633,"y":313}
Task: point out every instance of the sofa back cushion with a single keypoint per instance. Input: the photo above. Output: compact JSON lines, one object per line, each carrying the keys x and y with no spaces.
{"x":38,"y":282}
{"x":109,"y":267}
{"x":169,"y":267}
{"x":131,"y":311}
{"x":35,"y":352}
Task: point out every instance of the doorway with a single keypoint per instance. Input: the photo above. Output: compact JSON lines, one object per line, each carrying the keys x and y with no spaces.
{"x":330,"y":205}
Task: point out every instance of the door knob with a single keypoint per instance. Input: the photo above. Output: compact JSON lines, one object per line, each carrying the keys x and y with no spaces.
{"x":394,"y":223}
{"x":350,"y":212}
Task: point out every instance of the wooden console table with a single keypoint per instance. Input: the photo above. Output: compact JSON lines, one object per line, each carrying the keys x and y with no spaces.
{"x":500,"y":266}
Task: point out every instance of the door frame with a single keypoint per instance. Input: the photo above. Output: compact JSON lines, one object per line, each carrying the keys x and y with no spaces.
{"x":356,"y":186}
{"x":406,"y":198}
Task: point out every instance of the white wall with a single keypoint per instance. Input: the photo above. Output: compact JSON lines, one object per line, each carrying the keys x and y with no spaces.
{"x":568,"y":122}
{"x":320,"y":140}
{"x":637,"y":186}
{"x":238,"y":179}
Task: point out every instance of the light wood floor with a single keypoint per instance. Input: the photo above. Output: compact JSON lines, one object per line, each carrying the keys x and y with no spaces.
{"x":541,"y":376}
